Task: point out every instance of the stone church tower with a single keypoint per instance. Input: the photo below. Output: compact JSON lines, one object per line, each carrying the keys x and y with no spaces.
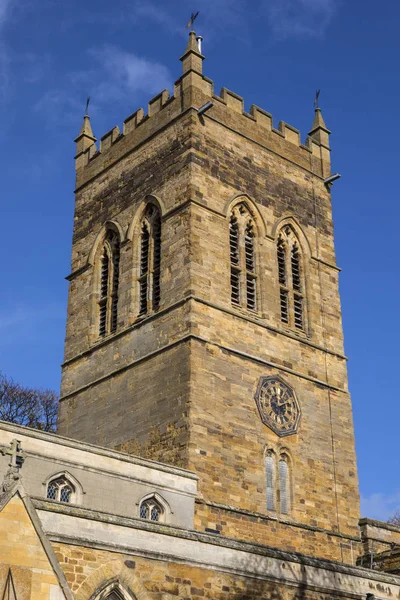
{"x":204,"y":324}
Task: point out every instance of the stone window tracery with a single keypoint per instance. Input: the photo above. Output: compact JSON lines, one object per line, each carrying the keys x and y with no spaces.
{"x":109,"y":283}
{"x":151,"y":510}
{"x":243,"y":276}
{"x":150,"y":261}
{"x":60,"y":489}
{"x":291,"y":279}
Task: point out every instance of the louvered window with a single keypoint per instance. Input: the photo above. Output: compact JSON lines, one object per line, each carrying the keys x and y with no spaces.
{"x":290,"y":277}
{"x":250,"y":268}
{"x":243,"y":276}
{"x":157,"y":263}
{"x":109,"y":282}
{"x":270,"y":473}
{"x":284,"y":486}
{"x":234,"y":253}
{"x":150,"y":261}
{"x":144,"y":268}
{"x":115,"y":284}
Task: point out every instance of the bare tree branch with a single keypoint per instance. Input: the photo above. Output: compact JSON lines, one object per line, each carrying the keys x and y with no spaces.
{"x":27,"y":406}
{"x":395,"y":519}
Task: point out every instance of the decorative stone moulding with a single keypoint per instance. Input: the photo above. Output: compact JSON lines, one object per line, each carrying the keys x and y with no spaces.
{"x":278,"y":405}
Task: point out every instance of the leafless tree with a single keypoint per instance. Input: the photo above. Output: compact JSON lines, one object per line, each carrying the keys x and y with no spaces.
{"x":395,"y":519}
{"x":27,"y":406}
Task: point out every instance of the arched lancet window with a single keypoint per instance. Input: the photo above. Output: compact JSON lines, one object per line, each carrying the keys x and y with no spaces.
{"x":150,"y":261}
{"x":284,"y":485}
{"x":60,"y":489}
{"x":151,"y":510}
{"x":109,"y":281}
{"x":278,"y":480}
{"x":242,"y":258}
{"x":291,"y":279}
{"x":270,"y":473}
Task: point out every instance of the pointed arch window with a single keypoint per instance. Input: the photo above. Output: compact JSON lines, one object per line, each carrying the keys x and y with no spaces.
{"x":278,"y":480}
{"x":60,"y":489}
{"x":291,"y":279}
{"x":150,"y":261}
{"x":109,"y":283}
{"x":151,"y":510}
{"x":243,"y":276}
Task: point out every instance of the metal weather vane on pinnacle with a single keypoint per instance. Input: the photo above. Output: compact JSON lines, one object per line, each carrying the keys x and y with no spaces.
{"x":87,"y":105}
{"x":192,"y":19}
{"x":316,"y":101}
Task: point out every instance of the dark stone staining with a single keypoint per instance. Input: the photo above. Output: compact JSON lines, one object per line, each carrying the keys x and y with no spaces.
{"x":132,"y":186}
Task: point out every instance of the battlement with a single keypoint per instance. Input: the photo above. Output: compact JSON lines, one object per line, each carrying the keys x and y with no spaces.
{"x":191,"y":91}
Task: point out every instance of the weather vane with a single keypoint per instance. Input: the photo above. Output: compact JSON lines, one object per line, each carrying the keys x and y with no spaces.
{"x":192,"y":19}
{"x":317,"y":93}
{"x":87,"y":105}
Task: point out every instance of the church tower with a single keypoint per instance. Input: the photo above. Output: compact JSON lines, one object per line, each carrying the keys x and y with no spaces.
{"x":204,"y":323}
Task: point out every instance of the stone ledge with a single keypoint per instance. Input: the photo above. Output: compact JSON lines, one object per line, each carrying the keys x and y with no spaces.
{"x":264,"y":517}
{"x":86,"y":447}
{"x":205,"y":538}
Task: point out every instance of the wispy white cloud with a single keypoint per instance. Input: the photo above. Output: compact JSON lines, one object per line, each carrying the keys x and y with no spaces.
{"x":300,"y":18}
{"x":149,"y":10}
{"x":381,"y":507}
{"x":285,"y":18}
{"x":216,"y":16}
{"x":113,"y":76}
{"x":126,"y":73}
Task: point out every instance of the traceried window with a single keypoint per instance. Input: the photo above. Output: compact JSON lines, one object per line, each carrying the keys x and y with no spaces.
{"x":150,"y":261}
{"x":151,"y":510}
{"x":291,"y":279}
{"x":242,"y":258}
{"x":109,"y":282}
{"x":278,"y":497}
{"x":60,"y":489}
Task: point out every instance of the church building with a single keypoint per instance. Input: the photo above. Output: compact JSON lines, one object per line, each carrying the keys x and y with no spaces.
{"x":205,"y":444}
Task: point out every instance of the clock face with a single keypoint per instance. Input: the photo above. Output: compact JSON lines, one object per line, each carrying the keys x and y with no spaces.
{"x":278,"y":405}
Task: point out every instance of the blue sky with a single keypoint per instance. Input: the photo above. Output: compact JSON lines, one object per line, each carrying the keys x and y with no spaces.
{"x":275,"y":53}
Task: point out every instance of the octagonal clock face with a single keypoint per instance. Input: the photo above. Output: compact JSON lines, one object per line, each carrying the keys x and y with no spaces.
{"x":278,"y":405}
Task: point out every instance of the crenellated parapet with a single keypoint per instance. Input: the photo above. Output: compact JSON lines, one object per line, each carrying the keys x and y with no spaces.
{"x":191,"y":91}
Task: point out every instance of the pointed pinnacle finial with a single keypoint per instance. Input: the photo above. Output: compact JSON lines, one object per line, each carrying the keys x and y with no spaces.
{"x":84,"y":140}
{"x":318,"y":122}
{"x":320,"y":135}
{"x":192,"y":59}
{"x":86,"y":129}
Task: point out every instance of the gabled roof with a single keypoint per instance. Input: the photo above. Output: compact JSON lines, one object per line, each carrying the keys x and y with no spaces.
{"x":24,"y":511}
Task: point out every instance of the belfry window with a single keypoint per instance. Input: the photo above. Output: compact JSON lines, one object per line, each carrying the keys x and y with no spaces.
{"x":243,"y":276}
{"x":109,"y":282}
{"x":150,"y":261}
{"x":60,"y":489}
{"x":291,"y":279}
